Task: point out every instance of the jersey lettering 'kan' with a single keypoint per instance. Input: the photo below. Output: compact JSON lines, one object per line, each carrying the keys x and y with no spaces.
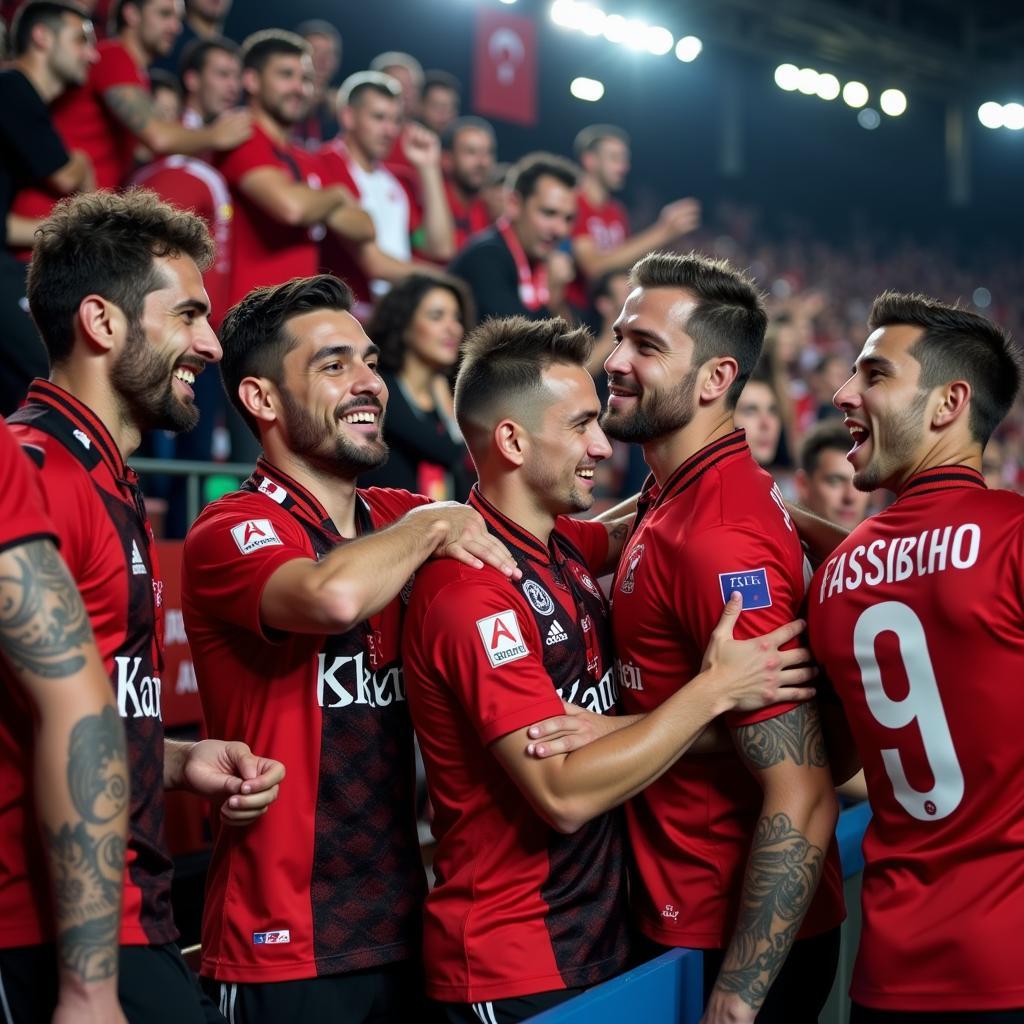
{"x":94,"y":501}
{"x":330,"y":879}
{"x":917,"y":621}
{"x":518,"y":908}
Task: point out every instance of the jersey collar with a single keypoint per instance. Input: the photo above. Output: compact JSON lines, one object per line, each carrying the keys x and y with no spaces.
{"x":511,"y":534}
{"x":942,"y":478}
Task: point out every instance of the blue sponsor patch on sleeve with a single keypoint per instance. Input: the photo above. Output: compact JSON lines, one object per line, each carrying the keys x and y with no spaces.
{"x":752,"y":585}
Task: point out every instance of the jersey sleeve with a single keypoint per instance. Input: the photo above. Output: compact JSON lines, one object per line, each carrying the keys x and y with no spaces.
{"x":718,"y":561}
{"x":484,"y":645}
{"x":229,"y":556}
{"x":589,"y":538}
{"x":254,"y":153}
{"x":22,"y":516}
{"x":115,"y":67}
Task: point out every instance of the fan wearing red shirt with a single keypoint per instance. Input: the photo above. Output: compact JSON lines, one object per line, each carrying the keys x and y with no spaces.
{"x":917,"y":621}
{"x":281,"y":211}
{"x":467,"y":158}
{"x":291,"y":602}
{"x":126,"y":331}
{"x":601,"y":241}
{"x":530,"y":902}
{"x":729,"y":848}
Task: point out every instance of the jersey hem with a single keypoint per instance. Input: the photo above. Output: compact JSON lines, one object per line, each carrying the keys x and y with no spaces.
{"x":930,"y":1002}
{"x":379,"y":956}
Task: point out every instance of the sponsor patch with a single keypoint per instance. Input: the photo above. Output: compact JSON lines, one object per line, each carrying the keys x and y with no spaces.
{"x":272,"y":491}
{"x":138,"y":565}
{"x":629,"y":581}
{"x":752,"y":585}
{"x":271,"y":938}
{"x":556,"y":634}
{"x":254,"y":534}
{"x":502,"y":638}
{"x":540,"y":600}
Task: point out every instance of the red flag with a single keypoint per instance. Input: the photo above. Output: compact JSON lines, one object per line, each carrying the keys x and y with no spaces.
{"x":505,"y":67}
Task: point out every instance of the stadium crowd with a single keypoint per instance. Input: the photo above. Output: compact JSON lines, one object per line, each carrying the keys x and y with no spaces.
{"x":339,"y":238}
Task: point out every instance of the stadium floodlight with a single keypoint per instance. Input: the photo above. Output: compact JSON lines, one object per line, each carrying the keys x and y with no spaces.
{"x":688,"y":49}
{"x":807,"y":81}
{"x":787,"y":76}
{"x":990,"y":114}
{"x":589,"y":89}
{"x":982,"y":297}
{"x":616,"y":28}
{"x":590,"y":19}
{"x":659,"y":40}
{"x":869,"y":118}
{"x":828,"y":86}
{"x":855,"y":94}
{"x":508,"y":1}
{"x":893,"y":102}
{"x":636,"y":34}
{"x":565,"y":13}
{"x":1013,"y":116}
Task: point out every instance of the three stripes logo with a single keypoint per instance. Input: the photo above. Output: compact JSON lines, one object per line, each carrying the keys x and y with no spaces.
{"x":556,"y":634}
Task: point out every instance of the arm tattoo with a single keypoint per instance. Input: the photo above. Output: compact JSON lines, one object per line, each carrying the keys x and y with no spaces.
{"x":131,"y":105}
{"x":795,"y":736}
{"x":619,"y":532}
{"x":782,"y":875}
{"x":43,"y":623}
{"x":87,"y":864}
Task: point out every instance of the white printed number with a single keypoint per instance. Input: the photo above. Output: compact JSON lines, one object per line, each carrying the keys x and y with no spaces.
{"x":922,"y":703}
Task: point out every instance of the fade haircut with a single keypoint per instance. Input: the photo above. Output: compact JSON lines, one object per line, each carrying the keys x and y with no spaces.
{"x":591,"y":137}
{"x":729,"y":318}
{"x":524,"y":174}
{"x":193,"y":57}
{"x":958,"y":345}
{"x":104,"y":243}
{"x":255,"y":336}
{"x":39,"y":12}
{"x":358,"y":85}
{"x":260,"y":47}
{"x":502,"y":365}
{"x":828,"y":435}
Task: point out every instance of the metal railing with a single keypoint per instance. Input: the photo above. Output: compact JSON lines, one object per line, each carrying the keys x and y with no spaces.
{"x":195,"y":471}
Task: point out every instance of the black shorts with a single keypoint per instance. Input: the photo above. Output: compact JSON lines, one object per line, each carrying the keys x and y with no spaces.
{"x":863,"y":1015}
{"x":505,"y":1011}
{"x":392,"y":994}
{"x":154,"y":986}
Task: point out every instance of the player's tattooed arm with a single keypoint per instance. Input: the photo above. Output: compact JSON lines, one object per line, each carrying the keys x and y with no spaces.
{"x":787,"y":756}
{"x":131,"y":105}
{"x":79,"y":766}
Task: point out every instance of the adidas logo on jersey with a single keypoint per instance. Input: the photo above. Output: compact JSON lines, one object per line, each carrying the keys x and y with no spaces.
{"x":556,"y":634}
{"x":138,"y":565}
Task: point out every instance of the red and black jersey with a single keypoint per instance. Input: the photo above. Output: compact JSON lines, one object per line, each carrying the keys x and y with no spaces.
{"x":330,"y":879}
{"x":607,"y":226}
{"x":22,"y":515}
{"x":717,"y":525}
{"x":517,"y":907}
{"x":917,"y":620}
{"x":97,"y":509}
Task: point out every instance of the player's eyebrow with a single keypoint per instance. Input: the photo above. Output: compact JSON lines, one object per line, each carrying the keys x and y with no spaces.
{"x":340,"y":352}
{"x":874,"y":362}
{"x":195,"y":305}
{"x":583,"y":416}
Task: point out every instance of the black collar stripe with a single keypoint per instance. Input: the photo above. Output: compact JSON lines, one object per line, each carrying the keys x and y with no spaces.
{"x":698,"y":464}
{"x":308,"y":504}
{"x":49,"y":394}
{"x":942,"y":478}
{"x":509,"y":531}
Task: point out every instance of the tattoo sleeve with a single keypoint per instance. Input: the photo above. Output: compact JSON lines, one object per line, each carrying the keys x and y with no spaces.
{"x":784,"y":865}
{"x":131,"y":105}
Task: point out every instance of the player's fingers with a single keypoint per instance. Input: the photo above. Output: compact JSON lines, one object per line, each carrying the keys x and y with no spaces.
{"x":797,"y":694}
{"x":783,"y":635}
{"x":730,"y":613}
{"x":558,"y":745}
{"x":550,"y":727}
{"x":490,"y":551}
{"x":795,"y":656}
{"x":270,"y":774}
{"x":798,"y":676}
{"x":239,"y":804}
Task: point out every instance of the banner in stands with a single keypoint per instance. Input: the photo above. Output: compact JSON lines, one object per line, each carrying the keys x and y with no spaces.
{"x":505,"y":67}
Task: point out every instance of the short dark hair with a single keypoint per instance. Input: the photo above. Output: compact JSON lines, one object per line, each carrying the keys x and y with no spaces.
{"x":39,"y":12}
{"x":958,"y":345}
{"x":104,"y":243}
{"x":729,"y":319}
{"x":193,"y":57}
{"x":117,"y":19}
{"x":260,"y":47}
{"x":356,"y":86}
{"x":528,"y":170}
{"x":589,"y":138}
{"x":318,"y":27}
{"x":602,"y":287}
{"x":464,"y":124}
{"x":395,"y":310}
{"x":437,"y":79}
{"x":254,"y":333}
{"x":828,"y":435}
{"x":160,"y":79}
{"x":504,"y":358}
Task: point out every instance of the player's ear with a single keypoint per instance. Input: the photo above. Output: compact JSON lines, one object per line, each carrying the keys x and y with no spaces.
{"x":259,"y":397}
{"x":955,"y":398}
{"x":511,"y":441}
{"x":100,"y":322}
{"x":718,"y":376}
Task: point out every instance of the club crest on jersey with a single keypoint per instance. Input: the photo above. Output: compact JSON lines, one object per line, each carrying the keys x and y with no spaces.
{"x":540,"y":600}
{"x":502,"y":638}
{"x":752,"y":585}
{"x":628,"y":581}
{"x":271,"y":938}
{"x":588,"y":583}
{"x":254,"y":534}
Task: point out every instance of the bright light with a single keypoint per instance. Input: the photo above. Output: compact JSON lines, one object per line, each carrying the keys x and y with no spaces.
{"x":893,"y":102}
{"x":636,"y":34}
{"x":807,"y":81}
{"x":828,"y":87}
{"x":659,"y":40}
{"x":1013,"y":116}
{"x":508,"y":1}
{"x":564,"y":13}
{"x":982,"y":297}
{"x":591,"y":19}
{"x":991,"y":115}
{"x":869,"y":118}
{"x":616,"y":28}
{"x":688,"y":49}
{"x":855,"y":94}
{"x":787,"y":76}
{"x":589,"y":89}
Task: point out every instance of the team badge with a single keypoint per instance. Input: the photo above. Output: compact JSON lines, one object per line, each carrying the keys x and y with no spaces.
{"x":752,"y":585}
{"x":502,"y":638}
{"x":254,"y":534}
{"x":588,"y":583}
{"x":273,"y":491}
{"x":540,"y":600}
{"x":271,"y":938}
{"x":628,"y":581}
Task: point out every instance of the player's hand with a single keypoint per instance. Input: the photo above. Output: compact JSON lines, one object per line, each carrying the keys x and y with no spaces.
{"x":754,"y":673}
{"x":561,"y":270}
{"x":680,"y":217}
{"x":562,"y":734}
{"x":89,"y":1004}
{"x":422,"y":147}
{"x":231,"y":129}
{"x":463,"y":535}
{"x":230,"y":771}
{"x":727,"y":1008}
